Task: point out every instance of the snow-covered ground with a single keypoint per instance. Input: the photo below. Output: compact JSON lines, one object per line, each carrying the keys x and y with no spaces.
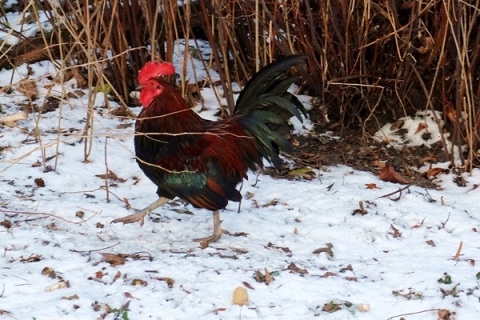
{"x":301,"y":249}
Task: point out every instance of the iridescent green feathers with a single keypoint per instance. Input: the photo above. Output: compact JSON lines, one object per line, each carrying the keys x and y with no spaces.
{"x":266,"y":106}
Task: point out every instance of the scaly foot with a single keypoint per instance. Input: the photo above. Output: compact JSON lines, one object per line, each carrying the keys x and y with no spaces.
{"x":140,"y":215}
{"x":217,"y":231}
{"x":136,"y":217}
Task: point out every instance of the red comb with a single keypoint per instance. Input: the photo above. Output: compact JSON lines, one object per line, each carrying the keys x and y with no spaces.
{"x":155,"y":70}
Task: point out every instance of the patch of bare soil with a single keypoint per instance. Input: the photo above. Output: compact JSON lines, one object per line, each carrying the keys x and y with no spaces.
{"x":360,"y":152}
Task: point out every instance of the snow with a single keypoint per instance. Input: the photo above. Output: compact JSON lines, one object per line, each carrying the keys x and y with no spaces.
{"x":380,"y":265}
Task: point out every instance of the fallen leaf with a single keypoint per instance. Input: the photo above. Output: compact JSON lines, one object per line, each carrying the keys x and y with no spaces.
{"x":371,"y":186}
{"x":444,"y":314}
{"x":28,"y":88}
{"x":419,"y":225}
{"x":170,"y":282}
{"x":128,"y":295}
{"x":450,"y":112}
{"x":395,"y":232}
{"x":389,"y":174}
{"x":6,"y":223}
{"x":248,"y":285}
{"x":216,"y":311}
{"x":79,"y":214}
{"x":117,"y":276}
{"x":139,"y":282}
{"x":420,"y":127}
{"x":460,"y":181}
{"x":433,"y":172}
{"x":429,"y":159}
{"x":331,"y":307}
{"x":31,"y":258}
{"x":328,"y":274}
{"x":49,"y":272}
{"x":268,"y":277}
{"x":361,"y":210}
{"x":272,"y":202}
{"x":113,"y":259}
{"x":327,"y":249}
{"x":240,"y":296}
{"x":39,"y":182}
{"x":60,"y":285}
{"x":110,"y":175}
{"x":459,"y":251}
{"x":293,"y":267}
{"x":74,"y":297}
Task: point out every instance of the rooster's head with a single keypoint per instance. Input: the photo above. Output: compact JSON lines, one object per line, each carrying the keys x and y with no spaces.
{"x":148,"y":80}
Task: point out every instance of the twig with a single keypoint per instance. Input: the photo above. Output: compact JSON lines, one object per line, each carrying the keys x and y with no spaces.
{"x":412,"y":313}
{"x":398,"y":191}
{"x":49,"y":215}
{"x":106,"y":170}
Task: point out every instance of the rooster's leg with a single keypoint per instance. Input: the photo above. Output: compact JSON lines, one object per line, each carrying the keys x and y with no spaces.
{"x":140,"y":215}
{"x":217,"y":230}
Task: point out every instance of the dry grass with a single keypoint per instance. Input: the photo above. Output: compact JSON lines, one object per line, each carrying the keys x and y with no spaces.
{"x":369,"y":61}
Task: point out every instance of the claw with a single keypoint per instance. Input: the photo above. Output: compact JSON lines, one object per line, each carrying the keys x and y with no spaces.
{"x":217,"y":231}
{"x":136,"y":217}
{"x":140,"y":216}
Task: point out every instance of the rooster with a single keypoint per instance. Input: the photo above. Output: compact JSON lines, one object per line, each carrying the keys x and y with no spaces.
{"x":203,"y":161}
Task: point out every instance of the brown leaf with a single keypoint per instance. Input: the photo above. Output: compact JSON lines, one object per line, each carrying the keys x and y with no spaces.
{"x":328,"y":274}
{"x":74,"y":297}
{"x":240,"y":296}
{"x":31,"y":258}
{"x":395,"y":232}
{"x":444,"y":314}
{"x":419,"y":225}
{"x":427,"y":45}
{"x":420,"y":127}
{"x":450,"y":112}
{"x":170,"y":282}
{"x":113,"y":259}
{"x":248,"y":285}
{"x":99,"y":275}
{"x":28,"y":88}
{"x":371,"y":186}
{"x":217,"y":310}
{"x":459,"y":251}
{"x":431,"y":243}
{"x":6,"y":223}
{"x":117,"y":276}
{"x":110,"y":175}
{"x":272,"y":246}
{"x":49,"y":272}
{"x":139,"y":282}
{"x":361,"y":210}
{"x":432,"y":159}
{"x":39,"y":182}
{"x":268,"y":277}
{"x":460,"y":181}
{"x":327,"y":249}
{"x":433,"y":172}
{"x":389,"y":174}
{"x":293,"y":267}
{"x":128,"y":295}
{"x":331,"y":307}
{"x":351,"y":278}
